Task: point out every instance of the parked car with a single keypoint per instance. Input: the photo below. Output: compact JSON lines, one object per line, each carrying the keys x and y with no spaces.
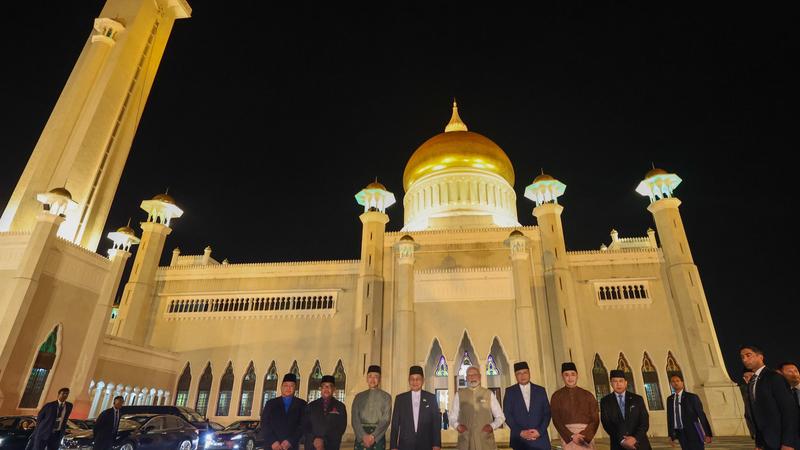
{"x":16,"y":430}
{"x":193,"y":417}
{"x":142,"y":431}
{"x":240,"y":435}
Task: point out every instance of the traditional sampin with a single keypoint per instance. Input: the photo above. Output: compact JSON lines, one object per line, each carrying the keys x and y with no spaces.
{"x":575,"y":412}
{"x":372,"y":413}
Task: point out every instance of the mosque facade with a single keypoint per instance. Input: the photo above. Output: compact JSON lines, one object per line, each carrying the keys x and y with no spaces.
{"x":461,"y":283}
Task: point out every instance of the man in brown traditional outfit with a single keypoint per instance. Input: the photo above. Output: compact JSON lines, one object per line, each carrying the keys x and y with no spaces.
{"x":476,"y":414}
{"x":576,"y":415}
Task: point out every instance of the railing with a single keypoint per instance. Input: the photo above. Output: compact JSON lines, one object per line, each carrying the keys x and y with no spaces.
{"x":304,"y":304}
{"x":623,"y":292}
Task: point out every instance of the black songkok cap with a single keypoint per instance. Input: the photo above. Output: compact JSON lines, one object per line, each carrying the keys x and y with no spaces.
{"x":328,"y":379}
{"x":568,"y":366}
{"x":416,"y":370}
{"x":520,"y":365}
{"x":616,"y":373}
{"x":376,"y":369}
{"x":290,"y":377}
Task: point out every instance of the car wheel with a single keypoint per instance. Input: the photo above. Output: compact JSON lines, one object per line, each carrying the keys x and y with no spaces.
{"x":184,"y":445}
{"x":249,"y":445}
{"x":126,"y":446}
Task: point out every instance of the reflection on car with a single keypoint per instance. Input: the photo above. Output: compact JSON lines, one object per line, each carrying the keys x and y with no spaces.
{"x":142,"y":432}
{"x":240,"y":435}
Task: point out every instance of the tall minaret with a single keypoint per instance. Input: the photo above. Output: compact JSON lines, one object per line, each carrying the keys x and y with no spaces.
{"x":559,"y":285}
{"x":86,"y":141}
{"x":368,"y":326}
{"x":705,"y":371}
{"x":136,"y":305}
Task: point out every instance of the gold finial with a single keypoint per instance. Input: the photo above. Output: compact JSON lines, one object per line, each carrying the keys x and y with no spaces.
{"x":455,"y":124}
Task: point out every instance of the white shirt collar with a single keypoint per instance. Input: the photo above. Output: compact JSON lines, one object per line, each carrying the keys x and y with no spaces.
{"x":758,"y":372}
{"x":679,"y":393}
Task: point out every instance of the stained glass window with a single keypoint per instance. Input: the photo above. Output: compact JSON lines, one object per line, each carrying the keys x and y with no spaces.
{"x":441,"y":368}
{"x":40,"y":371}
{"x":491,"y":367}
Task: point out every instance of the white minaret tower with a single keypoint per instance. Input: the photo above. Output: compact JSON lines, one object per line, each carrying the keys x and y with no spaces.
{"x":86,"y":141}
{"x":706,"y":370}
{"x":137,"y":297}
{"x":368,"y":325}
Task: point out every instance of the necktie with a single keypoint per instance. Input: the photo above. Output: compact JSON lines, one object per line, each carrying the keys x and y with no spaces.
{"x":116,"y":420}
{"x":678,"y":415}
{"x":796,"y":393}
{"x":753,"y":387}
{"x":60,"y":411}
{"x":621,"y":402}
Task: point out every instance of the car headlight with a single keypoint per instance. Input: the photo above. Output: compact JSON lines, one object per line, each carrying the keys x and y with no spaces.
{"x":1,"y":441}
{"x":238,"y":437}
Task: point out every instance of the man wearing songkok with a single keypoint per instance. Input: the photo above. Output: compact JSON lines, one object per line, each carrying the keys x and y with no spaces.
{"x":476,"y":414}
{"x":372,"y":413}
{"x":527,"y":412}
{"x":576,"y":415}
{"x":624,"y":416}
{"x":282,"y":418}
{"x":325,"y":419}
{"x":416,"y":422}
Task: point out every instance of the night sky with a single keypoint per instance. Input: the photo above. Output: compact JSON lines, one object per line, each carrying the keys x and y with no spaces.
{"x":267,"y":117}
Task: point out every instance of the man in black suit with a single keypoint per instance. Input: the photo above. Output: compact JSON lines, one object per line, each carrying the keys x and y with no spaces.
{"x":791,"y":373}
{"x":107,"y":425}
{"x":51,"y":422}
{"x":282,"y":417}
{"x":774,"y":415}
{"x":416,"y":422}
{"x":624,"y":416}
{"x":325,"y":419}
{"x":686,"y":421}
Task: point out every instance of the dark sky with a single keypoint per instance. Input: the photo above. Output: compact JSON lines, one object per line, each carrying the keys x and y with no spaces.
{"x":266,"y":118}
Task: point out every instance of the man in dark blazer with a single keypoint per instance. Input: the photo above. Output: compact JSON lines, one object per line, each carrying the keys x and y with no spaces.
{"x":107,"y":425}
{"x":51,"y":422}
{"x":686,"y":421}
{"x":747,"y":374}
{"x":527,"y":411}
{"x":282,"y":417}
{"x":325,"y":419}
{"x":774,"y":414}
{"x":416,"y":422}
{"x":624,"y":416}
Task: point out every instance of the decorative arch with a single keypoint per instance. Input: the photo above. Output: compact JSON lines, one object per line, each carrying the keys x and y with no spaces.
{"x":296,"y":371}
{"x":204,"y":390}
{"x":436,"y":369}
{"x":465,"y":357}
{"x":600,"y":378}
{"x":622,"y":364}
{"x":673,"y":368}
{"x":341,"y":381}
{"x":184,"y":383}
{"x":497,"y":369}
{"x":270,"y":386}
{"x":248,"y":391}
{"x":40,"y":371}
{"x":652,"y":389}
{"x":225,"y":391}
{"x":314,"y":381}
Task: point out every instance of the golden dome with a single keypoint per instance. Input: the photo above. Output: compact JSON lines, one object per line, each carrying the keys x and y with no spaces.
{"x":457,"y":148}
{"x":126,"y":230}
{"x":375,"y":185}
{"x":543,"y":177}
{"x":166,"y":198}
{"x":655,"y":171}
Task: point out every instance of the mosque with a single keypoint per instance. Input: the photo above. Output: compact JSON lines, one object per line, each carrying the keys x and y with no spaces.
{"x":199,"y":332}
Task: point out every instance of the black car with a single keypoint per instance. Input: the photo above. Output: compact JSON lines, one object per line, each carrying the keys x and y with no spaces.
{"x":142,"y":432}
{"x":16,"y":430}
{"x":240,"y":435}
{"x":187,"y":414}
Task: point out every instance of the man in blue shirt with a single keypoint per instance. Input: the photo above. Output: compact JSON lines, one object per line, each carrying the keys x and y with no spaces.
{"x":282,"y":417}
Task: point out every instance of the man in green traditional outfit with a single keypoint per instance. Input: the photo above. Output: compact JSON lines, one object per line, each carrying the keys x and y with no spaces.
{"x":372,"y":413}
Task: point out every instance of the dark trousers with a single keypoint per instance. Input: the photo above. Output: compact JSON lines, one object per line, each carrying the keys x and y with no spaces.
{"x":51,"y":443}
{"x":689,"y":439}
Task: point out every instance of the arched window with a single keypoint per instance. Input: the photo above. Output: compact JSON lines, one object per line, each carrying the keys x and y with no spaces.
{"x":497,"y":370}
{"x":248,"y":389}
{"x":600,"y":378}
{"x":42,"y":366}
{"x":296,"y":371}
{"x":341,"y":381}
{"x":225,"y":391}
{"x":651,"y":388}
{"x":314,"y":382}
{"x":270,"y":385}
{"x":437,"y":365}
{"x":203,"y":391}
{"x":184,"y":382}
{"x":466,"y":362}
{"x":441,"y":367}
{"x":491,"y":367}
{"x":673,"y":369}
{"x":622,"y":364}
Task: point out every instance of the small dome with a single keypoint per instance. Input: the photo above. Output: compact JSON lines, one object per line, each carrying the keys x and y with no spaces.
{"x":376,"y":185}
{"x":126,"y":230}
{"x":406,"y":238}
{"x":655,"y":171}
{"x":516,"y":233}
{"x":543,"y":177}
{"x":166,"y":198}
{"x":61,"y":191}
